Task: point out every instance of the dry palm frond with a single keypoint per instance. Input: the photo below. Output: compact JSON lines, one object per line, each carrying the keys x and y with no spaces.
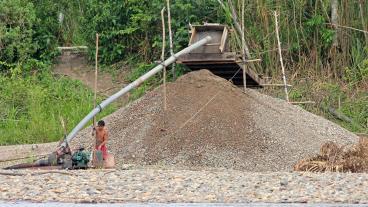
{"x":329,"y":149}
{"x":315,"y":164}
{"x":334,"y":158}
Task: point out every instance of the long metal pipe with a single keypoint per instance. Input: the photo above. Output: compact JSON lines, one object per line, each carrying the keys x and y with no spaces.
{"x":131,"y":86}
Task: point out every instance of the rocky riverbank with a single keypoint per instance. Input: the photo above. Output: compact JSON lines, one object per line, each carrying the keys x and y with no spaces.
{"x":181,"y":186}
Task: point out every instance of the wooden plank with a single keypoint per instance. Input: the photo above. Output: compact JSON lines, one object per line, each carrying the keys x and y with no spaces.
{"x":213,"y":44}
{"x":276,"y":84}
{"x":73,"y":48}
{"x":223,"y":39}
{"x":252,"y":74}
{"x":192,"y":36}
{"x":208,"y":57}
{"x":302,"y":102}
{"x":211,"y":27}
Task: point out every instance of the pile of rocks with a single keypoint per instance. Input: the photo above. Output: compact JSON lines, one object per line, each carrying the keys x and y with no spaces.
{"x":209,"y":122}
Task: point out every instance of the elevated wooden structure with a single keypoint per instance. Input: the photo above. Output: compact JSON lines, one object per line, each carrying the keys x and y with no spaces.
{"x":217,"y":56}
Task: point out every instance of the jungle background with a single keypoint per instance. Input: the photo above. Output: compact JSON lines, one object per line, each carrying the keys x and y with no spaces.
{"x":324,"y":47}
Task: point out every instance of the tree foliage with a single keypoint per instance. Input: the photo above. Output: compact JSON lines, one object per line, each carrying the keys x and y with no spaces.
{"x":133,"y":27}
{"x":17,"y":19}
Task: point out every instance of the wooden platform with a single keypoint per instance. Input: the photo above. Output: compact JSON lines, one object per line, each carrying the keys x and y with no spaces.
{"x":217,"y":56}
{"x":226,"y":65}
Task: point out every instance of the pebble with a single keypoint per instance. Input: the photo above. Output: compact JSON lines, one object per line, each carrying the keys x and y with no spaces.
{"x":180,"y":185}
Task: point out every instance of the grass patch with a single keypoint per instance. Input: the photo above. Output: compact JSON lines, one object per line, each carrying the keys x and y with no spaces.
{"x":32,"y":107}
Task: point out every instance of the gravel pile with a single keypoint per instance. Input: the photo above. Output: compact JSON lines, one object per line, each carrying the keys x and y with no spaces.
{"x":211,"y":123}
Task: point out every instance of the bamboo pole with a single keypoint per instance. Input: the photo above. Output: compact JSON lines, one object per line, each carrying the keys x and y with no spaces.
{"x":96,"y":74}
{"x":63,"y":125}
{"x":238,"y":28}
{"x":334,"y":19}
{"x":280,"y":54}
{"x":170,"y":37}
{"x":347,"y":27}
{"x":276,"y":84}
{"x":362,"y":19}
{"x":303,"y":102}
{"x":73,"y":48}
{"x":163,"y":53}
{"x":243,"y":47}
{"x":250,"y":61}
{"x":163,"y":59}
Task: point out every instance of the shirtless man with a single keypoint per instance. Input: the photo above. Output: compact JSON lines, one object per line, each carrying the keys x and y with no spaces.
{"x":102,"y":136}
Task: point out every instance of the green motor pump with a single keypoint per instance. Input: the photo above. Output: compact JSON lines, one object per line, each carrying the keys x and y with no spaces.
{"x":80,"y":159}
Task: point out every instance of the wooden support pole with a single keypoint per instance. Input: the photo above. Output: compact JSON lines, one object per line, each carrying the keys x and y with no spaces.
{"x":303,"y":102}
{"x":250,"y":61}
{"x":334,"y":20}
{"x":171,"y":37}
{"x":280,"y":54}
{"x":96,"y":73}
{"x":237,"y":25}
{"x":238,"y":28}
{"x":63,"y":125}
{"x":243,"y":47}
{"x":164,"y":68}
{"x":163,"y":57}
{"x":346,"y":27}
{"x":364,"y":26}
{"x":276,"y":84}
{"x":73,"y":48}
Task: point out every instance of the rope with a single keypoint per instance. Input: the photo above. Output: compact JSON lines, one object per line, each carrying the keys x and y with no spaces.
{"x":163,"y":62}
{"x":99,"y":107}
{"x":194,"y":115}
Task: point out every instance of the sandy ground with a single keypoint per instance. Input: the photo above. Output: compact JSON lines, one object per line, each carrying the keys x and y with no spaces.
{"x":15,"y":154}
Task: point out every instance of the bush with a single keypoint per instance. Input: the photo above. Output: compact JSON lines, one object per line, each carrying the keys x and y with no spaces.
{"x":133,"y":27}
{"x":17,"y":18}
{"x":32,"y":107}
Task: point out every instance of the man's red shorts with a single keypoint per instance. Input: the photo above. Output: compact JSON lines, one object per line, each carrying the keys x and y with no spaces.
{"x":104,"y":151}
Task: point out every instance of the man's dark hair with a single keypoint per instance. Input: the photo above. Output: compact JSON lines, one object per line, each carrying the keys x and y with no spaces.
{"x":101,"y":123}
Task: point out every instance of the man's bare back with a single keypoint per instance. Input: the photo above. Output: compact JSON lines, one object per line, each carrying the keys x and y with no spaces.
{"x":102,"y":136}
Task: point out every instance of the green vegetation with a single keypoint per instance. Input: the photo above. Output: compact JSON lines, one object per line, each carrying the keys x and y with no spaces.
{"x":31,"y":99}
{"x":32,"y":107}
{"x":325,"y":63}
{"x":132,"y":28}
